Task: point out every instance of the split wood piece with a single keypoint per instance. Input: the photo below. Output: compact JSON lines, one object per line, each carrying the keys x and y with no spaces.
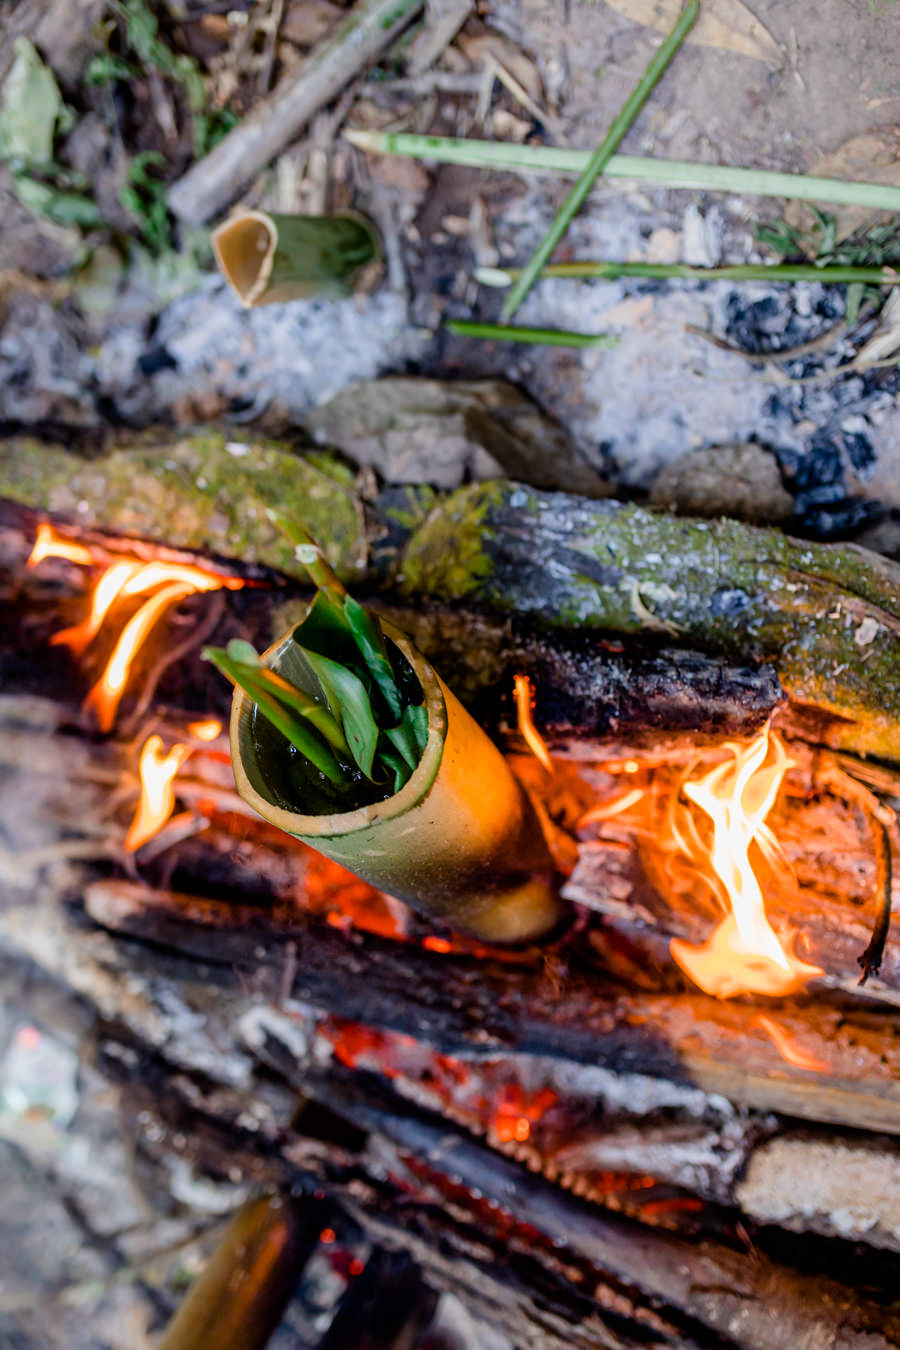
{"x":673,"y":1133}
{"x":688,"y":1291}
{"x":217,"y":179}
{"x":543,"y":1297}
{"x":462,"y":1007}
{"x":756,"y":1304}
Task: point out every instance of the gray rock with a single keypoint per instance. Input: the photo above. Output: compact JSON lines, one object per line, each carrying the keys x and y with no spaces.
{"x":742,"y":481}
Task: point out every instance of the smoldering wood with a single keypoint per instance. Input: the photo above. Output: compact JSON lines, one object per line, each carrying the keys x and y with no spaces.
{"x":697,"y":1291}
{"x":484,"y":1007}
{"x":583,"y":687}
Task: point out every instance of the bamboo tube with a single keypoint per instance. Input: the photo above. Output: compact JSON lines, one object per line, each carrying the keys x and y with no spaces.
{"x":268,"y":259}
{"x":459,"y":841}
{"x":240,"y":1297}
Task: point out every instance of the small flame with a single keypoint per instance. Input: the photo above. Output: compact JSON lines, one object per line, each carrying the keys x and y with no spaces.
{"x":157,"y":800}
{"x":205,"y":731}
{"x":788,"y":1048}
{"x":524,"y":696}
{"x":106,"y":592}
{"x":106,"y":694}
{"x":172,"y":581}
{"x":49,"y":544}
{"x":743,"y":954}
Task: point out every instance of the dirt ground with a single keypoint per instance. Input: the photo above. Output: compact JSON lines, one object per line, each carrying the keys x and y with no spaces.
{"x":98,"y":336}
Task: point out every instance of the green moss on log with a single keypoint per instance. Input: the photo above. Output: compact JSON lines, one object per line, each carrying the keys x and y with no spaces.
{"x":202,"y":491}
{"x":827,"y":616}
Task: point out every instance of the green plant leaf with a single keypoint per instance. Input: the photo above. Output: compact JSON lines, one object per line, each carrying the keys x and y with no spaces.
{"x":410,"y":734}
{"x":301,"y":737}
{"x":349,"y":703}
{"x":395,"y":761}
{"x":30,"y":107}
{"x":243,"y":652}
{"x":370,"y":640}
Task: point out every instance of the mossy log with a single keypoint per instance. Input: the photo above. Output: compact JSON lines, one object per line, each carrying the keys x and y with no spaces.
{"x":826,"y":616}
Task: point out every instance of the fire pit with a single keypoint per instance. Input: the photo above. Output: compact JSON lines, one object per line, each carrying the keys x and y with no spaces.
{"x":670,"y":1121}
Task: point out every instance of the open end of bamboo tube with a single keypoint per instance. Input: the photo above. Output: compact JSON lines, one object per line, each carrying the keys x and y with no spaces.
{"x":245,"y":248}
{"x":458,"y":842}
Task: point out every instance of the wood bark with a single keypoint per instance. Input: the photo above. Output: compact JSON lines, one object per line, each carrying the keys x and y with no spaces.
{"x":827,"y":617}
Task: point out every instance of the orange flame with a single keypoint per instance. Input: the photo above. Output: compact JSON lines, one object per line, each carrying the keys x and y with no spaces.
{"x":49,"y":544}
{"x":524,"y":696}
{"x":743,"y":954}
{"x":106,"y":592}
{"x":106,"y":694}
{"x":157,"y":800}
{"x":788,"y":1048}
{"x":127,"y":577}
{"x":205,"y":731}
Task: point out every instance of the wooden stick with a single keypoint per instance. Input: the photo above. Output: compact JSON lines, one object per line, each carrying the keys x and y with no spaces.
{"x":218,"y":178}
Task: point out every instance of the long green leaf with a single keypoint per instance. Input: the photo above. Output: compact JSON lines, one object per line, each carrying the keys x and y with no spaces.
{"x":303,"y":739}
{"x":318,"y":716}
{"x":348,"y":701}
{"x":601,"y":157}
{"x":369,"y":638}
{"x":873,"y":276}
{"x":546,"y":337}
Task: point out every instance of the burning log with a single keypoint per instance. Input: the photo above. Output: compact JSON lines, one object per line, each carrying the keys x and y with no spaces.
{"x":826,"y":616}
{"x":520,"y":1047}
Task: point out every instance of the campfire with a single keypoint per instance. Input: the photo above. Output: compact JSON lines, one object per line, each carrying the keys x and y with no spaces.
{"x":720,"y":892}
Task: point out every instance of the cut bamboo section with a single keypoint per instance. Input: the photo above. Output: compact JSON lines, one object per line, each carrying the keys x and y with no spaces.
{"x":459,"y":841}
{"x":270,"y":259}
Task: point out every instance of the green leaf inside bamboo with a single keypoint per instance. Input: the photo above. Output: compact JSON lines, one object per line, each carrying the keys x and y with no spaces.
{"x":348,"y":701}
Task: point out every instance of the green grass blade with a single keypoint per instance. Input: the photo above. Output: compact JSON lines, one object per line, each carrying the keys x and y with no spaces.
{"x":548,"y":337}
{"x":671,"y":173}
{"x":871,"y":276}
{"x":601,"y":156}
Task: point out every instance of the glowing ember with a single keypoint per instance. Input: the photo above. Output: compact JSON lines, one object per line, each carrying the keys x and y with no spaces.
{"x":524,"y":696}
{"x":516,"y":1112}
{"x":205,"y":731}
{"x":788,"y":1048}
{"x":49,"y":544}
{"x":157,"y":801}
{"x":105,"y":696}
{"x":743,"y":954}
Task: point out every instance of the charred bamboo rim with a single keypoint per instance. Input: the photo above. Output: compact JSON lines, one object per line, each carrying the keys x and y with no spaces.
{"x":251,"y":786}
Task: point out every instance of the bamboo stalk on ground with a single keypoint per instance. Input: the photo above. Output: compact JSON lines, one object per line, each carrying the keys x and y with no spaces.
{"x":671,"y":173}
{"x":217,"y":179}
{"x":600,"y":158}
